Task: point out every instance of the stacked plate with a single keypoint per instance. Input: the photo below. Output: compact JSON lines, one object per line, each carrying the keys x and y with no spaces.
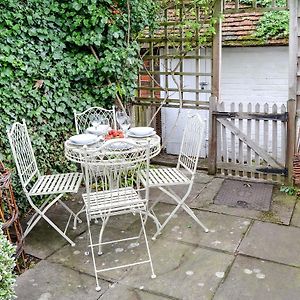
{"x":84,"y":139}
{"x":98,"y":130}
{"x":141,"y":132}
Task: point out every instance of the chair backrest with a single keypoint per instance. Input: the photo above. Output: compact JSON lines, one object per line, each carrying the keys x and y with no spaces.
{"x":113,"y":169}
{"x":84,"y":119}
{"x":22,"y":152}
{"x":191,"y":144}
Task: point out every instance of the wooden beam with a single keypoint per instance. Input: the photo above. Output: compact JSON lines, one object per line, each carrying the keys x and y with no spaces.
{"x":252,"y":116}
{"x":291,"y":139}
{"x":293,"y":49}
{"x":255,"y":147}
{"x":217,"y":51}
{"x":212,"y":138}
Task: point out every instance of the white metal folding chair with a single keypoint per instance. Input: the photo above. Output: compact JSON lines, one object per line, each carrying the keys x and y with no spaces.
{"x":114,"y":190}
{"x":34,"y":184}
{"x":84,"y":119}
{"x":165,"y":178}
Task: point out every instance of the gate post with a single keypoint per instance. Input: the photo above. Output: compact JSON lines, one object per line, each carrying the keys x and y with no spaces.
{"x":291,"y":138}
{"x":212,"y":140}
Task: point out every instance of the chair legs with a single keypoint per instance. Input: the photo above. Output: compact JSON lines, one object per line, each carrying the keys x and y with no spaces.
{"x":143,"y":218}
{"x":180,"y":203}
{"x":41,"y":213}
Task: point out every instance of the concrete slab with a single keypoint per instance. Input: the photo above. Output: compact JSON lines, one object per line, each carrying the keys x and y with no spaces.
{"x":296,"y":215}
{"x":183,"y":271}
{"x":43,"y":240}
{"x":113,"y":254}
{"x":251,"y":278}
{"x":281,"y":207}
{"x":273,"y":242}
{"x":226,"y":232}
{"x":47,"y":281}
{"x":119,"y":291}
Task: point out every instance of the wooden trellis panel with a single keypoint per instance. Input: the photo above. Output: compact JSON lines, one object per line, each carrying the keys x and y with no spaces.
{"x":160,"y":83}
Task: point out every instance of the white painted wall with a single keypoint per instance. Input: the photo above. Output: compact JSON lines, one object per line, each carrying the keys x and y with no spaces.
{"x":249,"y":74}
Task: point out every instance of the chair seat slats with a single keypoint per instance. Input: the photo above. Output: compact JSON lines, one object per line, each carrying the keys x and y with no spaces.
{"x":56,"y":184}
{"x":112,"y":201}
{"x":165,"y":176}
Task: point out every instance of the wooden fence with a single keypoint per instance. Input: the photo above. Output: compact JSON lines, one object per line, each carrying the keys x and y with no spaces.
{"x":251,"y":140}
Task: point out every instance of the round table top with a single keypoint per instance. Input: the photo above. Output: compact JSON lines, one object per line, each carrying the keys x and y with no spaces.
{"x":75,"y":153}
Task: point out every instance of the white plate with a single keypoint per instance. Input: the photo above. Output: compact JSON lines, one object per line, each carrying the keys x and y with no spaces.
{"x":141,"y":131}
{"x":119,"y":146}
{"x":141,"y":136}
{"x":84,"y":139}
{"x":100,"y":129}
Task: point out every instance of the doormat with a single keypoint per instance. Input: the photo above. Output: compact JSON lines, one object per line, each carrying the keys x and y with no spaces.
{"x":245,"y":194}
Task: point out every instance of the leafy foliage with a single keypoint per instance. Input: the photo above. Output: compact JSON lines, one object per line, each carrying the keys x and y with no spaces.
{"x":7,"y":264}
{"x":48,"y":69}
{"x":273,"y":24}
{"x":289,"y":190}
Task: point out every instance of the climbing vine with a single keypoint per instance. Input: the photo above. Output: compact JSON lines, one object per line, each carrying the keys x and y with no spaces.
{"x":48,"y":69}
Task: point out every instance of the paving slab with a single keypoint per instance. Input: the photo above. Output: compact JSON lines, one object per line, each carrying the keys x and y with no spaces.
{"x":273,"y":242}
{"x":156,"y":194}
{"x":251,"y":278}
{"x":119,"y":291}
{"x":282,"y":205}
{"x":296,"y":215}
{"x":113,"y":254}
{"x":50,"y":281}
{"x":43,"y":240}
{"x":183,"y":271}
{"x":226,"y":232}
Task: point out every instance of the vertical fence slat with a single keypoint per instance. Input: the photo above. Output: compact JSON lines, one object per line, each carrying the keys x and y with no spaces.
{"x":257,"y":109}
{"x":241,"y":144}
{"x":249,"y":124}
{"x":283,"y":136}
{"x":224,"y":138}
{"x":274,"y":133}
{"x":233,"y":157}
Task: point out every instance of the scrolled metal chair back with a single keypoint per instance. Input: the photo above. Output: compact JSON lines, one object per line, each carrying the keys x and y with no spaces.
{"x":22,"y":152}
{"x":192,"y":141}
{"x":114,"y":169}
{"x":84,"y":119}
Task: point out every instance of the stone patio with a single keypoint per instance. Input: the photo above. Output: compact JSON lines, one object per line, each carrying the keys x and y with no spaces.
{"x":247,"y":254}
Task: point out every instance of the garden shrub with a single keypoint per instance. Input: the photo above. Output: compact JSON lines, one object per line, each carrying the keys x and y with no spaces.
{"x":7,"y":264}
{"x":48,"y":69}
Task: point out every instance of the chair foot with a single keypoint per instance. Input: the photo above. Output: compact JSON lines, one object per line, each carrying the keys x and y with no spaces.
{"x":74,"y":227}
{"x":96,"y":221}
{"x":153,"y":238}
{"x":153,"y":276}
{"x":73,"y":245}
{"x":79,"y":221}
{"x":206,"y":230}
{"x":100,"y":253}
{"x":98,"y":288}
{"x":87,"y":253}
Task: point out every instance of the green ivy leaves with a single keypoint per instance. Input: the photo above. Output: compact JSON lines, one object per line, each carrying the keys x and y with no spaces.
{"x":48,"y":69}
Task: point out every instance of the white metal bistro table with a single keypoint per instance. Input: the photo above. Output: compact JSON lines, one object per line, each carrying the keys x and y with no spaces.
{"x":75,"y":153}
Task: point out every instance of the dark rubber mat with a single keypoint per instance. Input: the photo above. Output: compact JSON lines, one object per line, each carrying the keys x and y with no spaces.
{"x":245,"y":194}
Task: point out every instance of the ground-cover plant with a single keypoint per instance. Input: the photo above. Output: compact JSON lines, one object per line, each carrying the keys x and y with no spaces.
{"x":59,"y":56}
{"x":7,"y":264}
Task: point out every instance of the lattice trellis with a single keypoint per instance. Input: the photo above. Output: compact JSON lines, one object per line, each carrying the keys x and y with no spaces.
{"x":167,"y":67}
{"x":237,"y":6}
